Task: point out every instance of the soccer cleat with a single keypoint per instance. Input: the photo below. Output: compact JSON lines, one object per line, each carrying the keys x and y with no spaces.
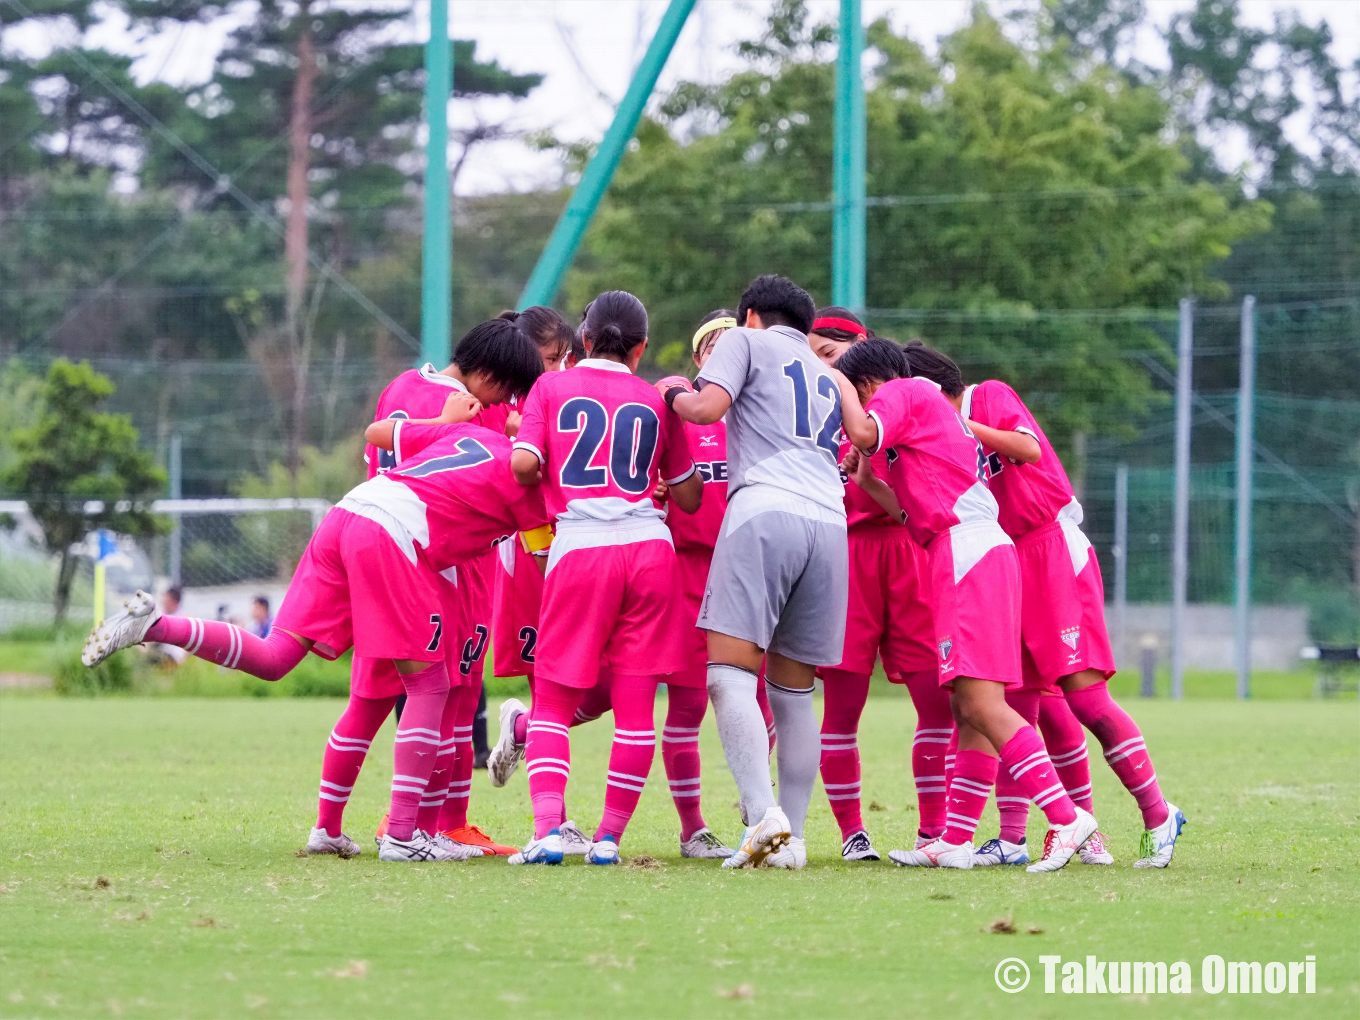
{"x":1095,"y":852}
{"x":761,"y":840}
{"x":575,"y":843}
{"x":935,"y":854}
{"x":547,"y":850}
{"x":858,"y":848}
{"x":998,"y":851}
{"x":506,"y":755}
{"x":418,"y":849}
{"x":923,"y":840}
{"x":1063,"y":841}
{"x":472,"y":835}
{"x":321,"y":843}
{"x":792,"y":855}
{"x":703,"y":843}
{"x":125,"y":628}
{"x":381,"y":830}
{"x":603,"y":851}
{"x":1157,"y":845}
{"x":455,"y":851}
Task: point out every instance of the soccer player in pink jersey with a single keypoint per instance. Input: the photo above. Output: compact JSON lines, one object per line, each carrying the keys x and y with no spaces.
{"x":889,"y":617}
{"x":937,"y":478}
{"x":420,"y":393}
{"x":598,"y":440}
{"x":1062,"y":622}
{"x":369,"y":579}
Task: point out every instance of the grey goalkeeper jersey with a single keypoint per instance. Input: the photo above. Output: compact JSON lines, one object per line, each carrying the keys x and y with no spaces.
{"x":784,"y":427}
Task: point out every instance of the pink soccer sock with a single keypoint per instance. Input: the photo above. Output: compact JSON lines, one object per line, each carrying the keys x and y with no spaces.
{"x":228,"y":645}
{"x":1035,"y":777}
{"x":454,"y":814}
{"x":844,"y":697}
{"x":969,"y":788}
{"x":685,"y":708}
{"x":416,"y":745}
{"x":630,"y":759}
{"x":929,"y":747}
{"x":595,"y":701}
{"x":1011,"y":803}
{"x":437,"y":790}
{"x":1066,"y":743}
{"x":951,"y":753}
{"x":547,"y":751}
{"x":344,"y":757}
{"x":766,"y":712}
{"x":1124,"y":748}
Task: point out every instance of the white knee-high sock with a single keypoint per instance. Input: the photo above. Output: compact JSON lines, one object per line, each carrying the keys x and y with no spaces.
{"x":798,"y":752}
{"x":741,"y":728}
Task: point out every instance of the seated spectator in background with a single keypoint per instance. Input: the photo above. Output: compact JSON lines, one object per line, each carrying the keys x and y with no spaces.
{"x":262,"y":621}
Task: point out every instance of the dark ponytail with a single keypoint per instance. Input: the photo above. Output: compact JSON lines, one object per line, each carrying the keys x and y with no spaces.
{"x":615,"y":323}
{"x":931,"y":364}
{"x":544,"y":326}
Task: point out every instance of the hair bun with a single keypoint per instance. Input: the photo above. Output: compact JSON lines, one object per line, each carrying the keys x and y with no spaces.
{"x":509,"y":315}
{"x":611,"y":332}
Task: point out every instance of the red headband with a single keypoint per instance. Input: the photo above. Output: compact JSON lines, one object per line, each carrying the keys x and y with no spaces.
{"x":849,"y":325}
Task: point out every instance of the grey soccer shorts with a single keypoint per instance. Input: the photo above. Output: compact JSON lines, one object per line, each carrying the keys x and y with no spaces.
{"x":781,"y":580}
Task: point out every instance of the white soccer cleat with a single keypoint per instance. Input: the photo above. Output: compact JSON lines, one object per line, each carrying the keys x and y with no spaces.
{"x":418,"y":849}
{"x":923,"y":840}
{"x":604,"y":851}
{"x":704,"y":844}
{"x":1063,"y":841}
{"x":998,"y":851}
{"x":506,"y":755}
{"x":575,"y":843}
{"x":1159,"y":844}
{"x":321,"y":843}
{"x":1095,"y":850}
{"x":935,"y":854}
{"x":456,"y":851}
{"x":858,"y":848}
{"x":125,"y":628}
{"x":761,"y":840}
{"x":547,"y":850}
{"x":792,"y":855}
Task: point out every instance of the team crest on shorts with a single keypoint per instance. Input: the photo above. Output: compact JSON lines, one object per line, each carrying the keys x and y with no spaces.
{"x":946,"y":646}
{"x":1071,"y":636}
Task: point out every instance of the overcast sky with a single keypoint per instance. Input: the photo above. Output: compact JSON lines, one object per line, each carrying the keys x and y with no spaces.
{"x":608,"y":37}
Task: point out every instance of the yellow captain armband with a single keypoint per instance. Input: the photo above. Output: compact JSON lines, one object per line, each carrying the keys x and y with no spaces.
{"x":537,"y":540}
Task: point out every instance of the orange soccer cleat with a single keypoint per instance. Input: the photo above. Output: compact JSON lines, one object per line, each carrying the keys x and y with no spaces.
{"x":472,"y":835}
{"x":382,"y":829}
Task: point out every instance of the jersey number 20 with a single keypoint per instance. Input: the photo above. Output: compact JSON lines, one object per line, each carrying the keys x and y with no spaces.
{"x":631,"y":446}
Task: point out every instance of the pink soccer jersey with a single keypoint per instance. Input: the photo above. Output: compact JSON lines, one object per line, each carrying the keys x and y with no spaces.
{"x":453,"y":491}
{"x":699,"y":531}
{"x":416,"y":393}
{"x":936,"y":466}
{"x":605,"y":439}
{"x":1028,"y":495}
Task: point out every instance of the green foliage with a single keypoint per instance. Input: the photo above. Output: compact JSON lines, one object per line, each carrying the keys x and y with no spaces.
{"x":328,"y":475}
{"x":71,"y":678}
{"x":73,"y":455}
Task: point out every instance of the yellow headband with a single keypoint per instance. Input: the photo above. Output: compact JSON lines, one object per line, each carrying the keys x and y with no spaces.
{"x":726,"y":322}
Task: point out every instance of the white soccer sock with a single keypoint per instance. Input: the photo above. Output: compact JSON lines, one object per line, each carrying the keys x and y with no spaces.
{"x":741,"y":728}
{"x":798,"y":751}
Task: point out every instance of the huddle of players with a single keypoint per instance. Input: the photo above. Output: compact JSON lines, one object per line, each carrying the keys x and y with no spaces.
{"x":877,"y":508}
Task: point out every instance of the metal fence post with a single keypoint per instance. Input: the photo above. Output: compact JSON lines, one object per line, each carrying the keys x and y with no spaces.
{"x":1180,"y":541}
{"x":1121,"y":557}
{"x":848,"y":230}
{"x":176,"y":458}
{"x":436,"y":276}
{"x":1246,"y":414}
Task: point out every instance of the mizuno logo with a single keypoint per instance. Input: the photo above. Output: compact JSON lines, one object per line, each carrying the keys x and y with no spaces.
{"x":708,"y":440}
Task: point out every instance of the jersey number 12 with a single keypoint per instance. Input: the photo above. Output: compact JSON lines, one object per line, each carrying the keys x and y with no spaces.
{"x":802,"y":408}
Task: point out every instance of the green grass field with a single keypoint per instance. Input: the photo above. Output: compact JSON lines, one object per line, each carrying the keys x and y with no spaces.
{"x":147,"y":868}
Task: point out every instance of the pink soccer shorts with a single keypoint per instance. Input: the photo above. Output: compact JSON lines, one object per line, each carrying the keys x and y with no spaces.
{"x":612,"y":606}
{"x":476,"y":581}
{"x":693,"y":566}
{"x":378,"y":678}
{"x":354,"y":587}
{"x":1062,"y":619}
{"x":518,"y":598}
{"x":975,"y":599}
{"x":888,"y":612}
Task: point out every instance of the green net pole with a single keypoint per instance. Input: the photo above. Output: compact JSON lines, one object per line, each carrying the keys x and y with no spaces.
{"x":571,"y":225}
{"x":1246,"y":414}
{"x":436,"y":284}
{"x":848,"y":230}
